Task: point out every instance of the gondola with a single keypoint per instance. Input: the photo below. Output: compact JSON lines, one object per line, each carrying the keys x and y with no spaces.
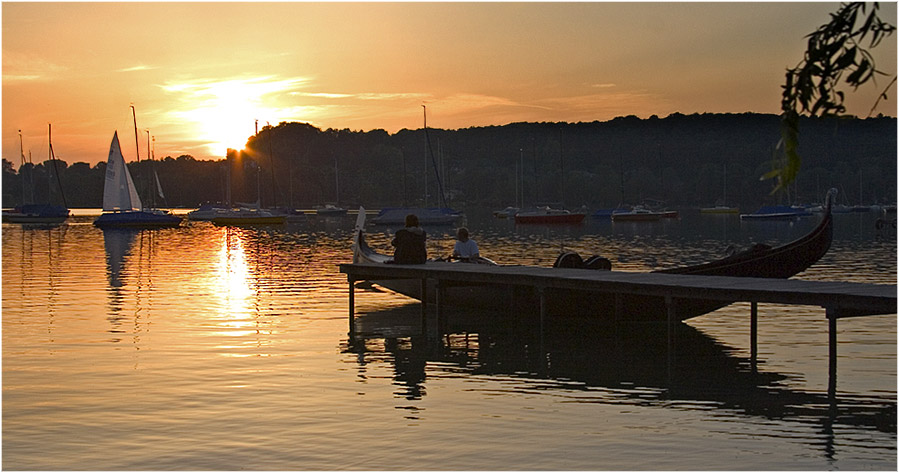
{"x":759,"y":261}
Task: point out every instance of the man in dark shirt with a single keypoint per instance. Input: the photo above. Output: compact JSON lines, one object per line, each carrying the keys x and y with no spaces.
{"x":410,"y":243}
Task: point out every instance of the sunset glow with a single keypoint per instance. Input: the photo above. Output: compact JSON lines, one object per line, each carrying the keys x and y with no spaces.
{"x":224,"y":111}
{"x":201,"y":74}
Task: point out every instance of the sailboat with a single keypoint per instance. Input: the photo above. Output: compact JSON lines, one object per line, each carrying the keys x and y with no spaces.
{"x":333,"y":210}
{"x":39,"y":213}
{"x":721,"y":207}
{"x":121,"y":204}
{"x":426,"y":215}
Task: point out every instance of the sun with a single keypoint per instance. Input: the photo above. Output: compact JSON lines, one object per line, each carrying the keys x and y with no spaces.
{"x":223,"y":113}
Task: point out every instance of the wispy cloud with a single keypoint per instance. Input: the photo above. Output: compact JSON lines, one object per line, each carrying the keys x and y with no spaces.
{"x":19,"y":67}
{"x":139,"y":67}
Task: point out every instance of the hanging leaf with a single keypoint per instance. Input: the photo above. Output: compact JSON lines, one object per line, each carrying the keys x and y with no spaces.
{"x":811,"y":87}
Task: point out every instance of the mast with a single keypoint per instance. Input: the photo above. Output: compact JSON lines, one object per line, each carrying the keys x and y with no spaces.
{"x":22,"y":167}
{"x":433,"y":163}
{"x":425,"y":112}
{"x":53,"y":158}
{"x":150,"y":178}
{"x":336,"y":183}
{"x":136,"y":144}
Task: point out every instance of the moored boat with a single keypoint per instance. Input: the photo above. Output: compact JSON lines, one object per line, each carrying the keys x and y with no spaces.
{"x":426,"y":215}
{"x":506,"y":212}
{"x":207,"y":211}
{"x":719,"y":209}
{"x":330,"y":210}
{"x":248,"y":216}
{"x":639,"y":214}
{"x":548,"y":215}
{"x":36,"y":213}
{"x":122,"y":206}
{"x":778,"y":212}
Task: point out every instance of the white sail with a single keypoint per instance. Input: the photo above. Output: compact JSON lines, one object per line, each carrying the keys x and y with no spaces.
{"x":119,"y":192}
{"x":158,"y":186}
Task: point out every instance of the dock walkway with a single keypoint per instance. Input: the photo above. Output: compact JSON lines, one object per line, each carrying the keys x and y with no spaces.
{"x":841,"y":299}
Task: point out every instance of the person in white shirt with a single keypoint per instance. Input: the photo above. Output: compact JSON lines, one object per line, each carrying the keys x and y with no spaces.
{"x":465,"y":249}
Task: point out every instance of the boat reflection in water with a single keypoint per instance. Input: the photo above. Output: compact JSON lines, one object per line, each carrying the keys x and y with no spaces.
{"x":589,"y":361}
{"x":117,"y":242}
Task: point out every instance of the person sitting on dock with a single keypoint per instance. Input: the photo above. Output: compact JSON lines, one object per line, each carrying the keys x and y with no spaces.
{"x":410,"y":243}
{"x":465,"y":248}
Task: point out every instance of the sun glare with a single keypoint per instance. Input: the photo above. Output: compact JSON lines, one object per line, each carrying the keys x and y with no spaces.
{"x":223,"y":113}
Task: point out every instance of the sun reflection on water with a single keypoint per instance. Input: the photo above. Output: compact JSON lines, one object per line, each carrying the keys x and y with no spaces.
{"x":235,"y":286}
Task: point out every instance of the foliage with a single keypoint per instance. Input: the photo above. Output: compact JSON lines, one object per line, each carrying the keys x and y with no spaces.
{"x":679,"y":159}
{"x":833,"y":50}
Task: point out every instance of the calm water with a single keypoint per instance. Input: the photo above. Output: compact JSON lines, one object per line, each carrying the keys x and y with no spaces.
{"x":221,"y":348}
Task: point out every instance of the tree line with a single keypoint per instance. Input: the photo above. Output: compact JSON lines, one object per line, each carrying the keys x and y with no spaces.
{"x":681,"y":160}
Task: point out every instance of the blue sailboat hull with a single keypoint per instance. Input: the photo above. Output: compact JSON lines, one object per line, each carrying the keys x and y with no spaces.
{"x":137,"y":219}
{"x":37,"y":213}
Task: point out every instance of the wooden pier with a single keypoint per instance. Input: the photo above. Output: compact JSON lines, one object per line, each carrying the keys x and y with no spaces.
{"x":839,"y":299}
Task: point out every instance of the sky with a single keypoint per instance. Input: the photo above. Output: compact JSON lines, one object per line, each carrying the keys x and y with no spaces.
{"x":202,"y":76}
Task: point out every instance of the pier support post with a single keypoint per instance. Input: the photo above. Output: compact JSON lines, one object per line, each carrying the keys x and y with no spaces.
{"x":832,"y":314}
{"x":352,"y":298}
{"x":753,"y":335}
{"x":441,"y":294}
{"x":542,"y":292}
{"x":424,"y":306}
{"x":672,"y":319}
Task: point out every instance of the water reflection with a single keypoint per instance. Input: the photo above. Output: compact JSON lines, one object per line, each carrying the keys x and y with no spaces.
{"x":590,"y":362}
{"x":130,"y":254}
{"x":117,"y":243}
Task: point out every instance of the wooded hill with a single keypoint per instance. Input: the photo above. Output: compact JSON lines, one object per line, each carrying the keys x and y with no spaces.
{"x":680,"y":160}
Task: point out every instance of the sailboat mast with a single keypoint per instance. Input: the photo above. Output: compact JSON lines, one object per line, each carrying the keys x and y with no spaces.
{"x":136,"y":145}
{"x":22,"y":167}
{"x":53,"y":158}
{"x":425,"y":112}
{"x":433,"y":162}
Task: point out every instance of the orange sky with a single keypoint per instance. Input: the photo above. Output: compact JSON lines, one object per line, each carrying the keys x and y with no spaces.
{"x":200,"y":74}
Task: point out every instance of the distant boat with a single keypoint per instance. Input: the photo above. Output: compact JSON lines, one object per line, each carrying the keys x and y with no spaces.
{"x":248,"y":216}
{"x":290,"y":215}
{"x":426,"y":216}
{"x":640,"y":214}
{"x":506,"y":212}
{"x":121,"y":204}
{"x":207,"y":211}
{"x":719,"y":209}
{"x":38,"y":213}
{"x":547,"y":215}
{"x":777,"y":212}
{"x":330,"y":210}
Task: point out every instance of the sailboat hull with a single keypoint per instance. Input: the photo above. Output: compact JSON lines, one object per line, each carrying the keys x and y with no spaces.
{"x":137,"y":219}
{"x":36,"y":213}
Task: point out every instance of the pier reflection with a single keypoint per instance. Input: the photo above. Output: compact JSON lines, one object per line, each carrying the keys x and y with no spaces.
{"x":604,"y":363}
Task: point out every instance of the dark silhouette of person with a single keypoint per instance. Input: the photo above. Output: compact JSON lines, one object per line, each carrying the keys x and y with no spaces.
{"x":410,"y":243}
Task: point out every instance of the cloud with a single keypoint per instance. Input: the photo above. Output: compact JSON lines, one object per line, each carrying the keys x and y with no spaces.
{"x":139,"y":67}
{"x":23,"y":67}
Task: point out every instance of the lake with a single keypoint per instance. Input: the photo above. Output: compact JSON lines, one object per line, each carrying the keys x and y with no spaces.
{"x":224,"y":348}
